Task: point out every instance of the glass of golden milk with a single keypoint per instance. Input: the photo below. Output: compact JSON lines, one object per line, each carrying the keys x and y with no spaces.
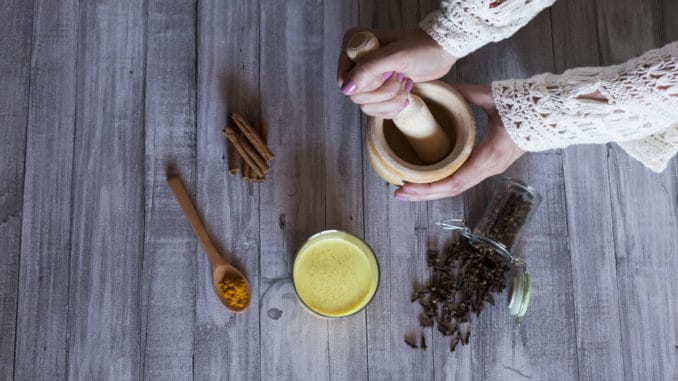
{"x":335,"y":274}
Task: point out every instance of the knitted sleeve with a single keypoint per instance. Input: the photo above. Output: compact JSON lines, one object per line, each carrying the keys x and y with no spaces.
{"x":634,"y":104}
{"x":462,"y":26}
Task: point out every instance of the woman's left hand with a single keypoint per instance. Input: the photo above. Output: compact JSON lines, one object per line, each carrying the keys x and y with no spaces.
{"x":493,"y":155}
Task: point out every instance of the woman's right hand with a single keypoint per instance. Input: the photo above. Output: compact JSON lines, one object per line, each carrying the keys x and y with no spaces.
{"x":380,"y":81}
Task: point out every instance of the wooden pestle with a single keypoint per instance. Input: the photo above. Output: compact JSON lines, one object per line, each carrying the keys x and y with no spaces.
{"x":415,"y":121}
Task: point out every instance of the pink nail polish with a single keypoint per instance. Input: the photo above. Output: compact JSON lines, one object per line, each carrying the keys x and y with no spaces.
{"x":387,"y":75}
{"x":400,"y":197}
{"x":408,"y":85}
{"x":349,"y":88}
{"x":400,"y":76}
{"x":407,"y":103}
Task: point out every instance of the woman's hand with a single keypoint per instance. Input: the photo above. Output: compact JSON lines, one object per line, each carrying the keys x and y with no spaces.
{"x":493,"y":155}
{"x":381,"y":80}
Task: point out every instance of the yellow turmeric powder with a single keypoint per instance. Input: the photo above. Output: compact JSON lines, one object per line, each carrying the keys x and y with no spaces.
{"x":234,"y":290}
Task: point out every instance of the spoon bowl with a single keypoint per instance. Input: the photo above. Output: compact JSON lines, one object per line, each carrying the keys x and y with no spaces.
{"x":220,"y":268}
{"x":224,"y":271}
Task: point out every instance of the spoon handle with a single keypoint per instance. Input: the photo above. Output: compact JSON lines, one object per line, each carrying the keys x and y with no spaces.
{"x":192,"y":215}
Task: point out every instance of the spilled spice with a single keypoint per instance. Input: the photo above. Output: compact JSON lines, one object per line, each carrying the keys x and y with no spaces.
{"x":234,"y":290}
{"x":461,"y":284}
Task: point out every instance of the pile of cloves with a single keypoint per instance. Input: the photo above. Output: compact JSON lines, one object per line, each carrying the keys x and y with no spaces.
{"x":461,"y":284}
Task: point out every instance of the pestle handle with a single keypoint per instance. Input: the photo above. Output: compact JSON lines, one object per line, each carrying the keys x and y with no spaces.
{"x":415,"y":121}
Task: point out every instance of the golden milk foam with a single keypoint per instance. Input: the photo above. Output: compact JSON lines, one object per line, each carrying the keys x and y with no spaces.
{"x":335,"y":274}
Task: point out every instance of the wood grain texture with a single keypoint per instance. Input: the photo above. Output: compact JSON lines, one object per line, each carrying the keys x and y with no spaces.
{"x":107,"y":193}
{"x":227,"y":345}
{"x":348,"y":356}
{"x":644,"y":211}
{"x":669,"y":21}
{"x":589,"y":215}
{"x":501,"y":348}
{"x":42,"y":323}
{"x":16,"y":21}
{"x":293,"y":197}
{"x":170,"y":257}
{"x":108,"y":97}
{"x":397,"y":231}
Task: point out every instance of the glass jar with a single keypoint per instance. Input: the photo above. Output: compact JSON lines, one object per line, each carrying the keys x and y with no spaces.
{"x":500,"y":227}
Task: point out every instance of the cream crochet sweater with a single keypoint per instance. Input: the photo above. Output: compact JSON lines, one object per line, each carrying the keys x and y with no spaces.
{"x":634,"y":104}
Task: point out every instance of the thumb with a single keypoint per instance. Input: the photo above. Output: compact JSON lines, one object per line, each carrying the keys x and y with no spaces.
{"x":371,"y":70}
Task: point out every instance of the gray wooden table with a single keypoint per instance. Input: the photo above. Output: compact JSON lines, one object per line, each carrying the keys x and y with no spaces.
{"x":101,"y":276}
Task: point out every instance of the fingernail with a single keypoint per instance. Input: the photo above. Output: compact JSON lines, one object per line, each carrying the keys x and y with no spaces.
{"x":400,"y":76}
{"x":407,"y":190}
{"x":400,"y":197}
{"x":408,"y":85}
{"x":407,"y":102}
{"x":387,"y":75}
{"x":349,"y":88}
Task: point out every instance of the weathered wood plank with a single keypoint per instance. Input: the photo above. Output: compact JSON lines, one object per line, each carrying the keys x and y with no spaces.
{"x":543,"y":345}
{"x":293,"y":197}
{"x":397,"y":231}
{"x":41,"y":338}
{"x":446,"y":365}
{"x":227,"y":345}
{"x":644,"y":216}
{"x":169,"y":280}
{"x":589,"y":214}
{"x":107,"y":192}
{"x":669,"y":21}
{"x":16,"y":20}
{"x":343,"y":185}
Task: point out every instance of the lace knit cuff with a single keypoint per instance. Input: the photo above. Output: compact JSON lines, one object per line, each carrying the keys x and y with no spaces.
{"x":526,"y":111}
{"x":463,"y":26}
{"x":450,"y":35}
{"x":655,"y":151}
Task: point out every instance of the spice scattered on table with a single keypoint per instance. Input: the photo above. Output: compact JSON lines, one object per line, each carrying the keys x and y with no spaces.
{"x":460,"y":285}
{"x":234,"y":290}
{"x":411,"y":342}
{"x":247,"y":149}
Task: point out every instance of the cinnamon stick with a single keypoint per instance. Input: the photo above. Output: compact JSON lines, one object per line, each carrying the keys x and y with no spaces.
{"x":234,"y":160}
{"x":246,"y":171}
{"x":246,"y":151}
{"x":252,"y":135}
{"x":262,"y":130}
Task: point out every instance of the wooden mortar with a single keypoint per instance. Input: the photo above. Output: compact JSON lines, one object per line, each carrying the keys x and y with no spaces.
{"x":394,"y":159}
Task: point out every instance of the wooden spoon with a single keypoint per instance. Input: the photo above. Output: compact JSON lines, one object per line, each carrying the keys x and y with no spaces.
{"x":220,"y":268}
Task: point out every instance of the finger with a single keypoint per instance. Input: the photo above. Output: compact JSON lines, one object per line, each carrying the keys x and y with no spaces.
{"x":343,"y":67}
{"x":476,"y":169}
{"x":480,"y":95}
{"x":368,"y":73}
{"x":401,"y":196}
{"x":444,"y":186}
{"x":479,"y":167}
{"x":387,"y":91}
{"x":393,"y":106}
{"x":344,"y":64}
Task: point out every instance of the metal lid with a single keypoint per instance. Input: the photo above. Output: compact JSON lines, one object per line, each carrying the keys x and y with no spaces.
{"x":519,"y":294}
